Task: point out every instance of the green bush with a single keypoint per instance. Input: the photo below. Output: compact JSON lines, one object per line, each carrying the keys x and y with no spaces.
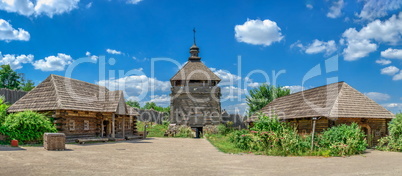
{"x":27,"y":126}
{"x":225,"y":129}
{"x":393,"y":142}
{"x":343,"y":140}
{"x":3,"y":110}
{"x":185,"y":132}
{"x":272,"y":137}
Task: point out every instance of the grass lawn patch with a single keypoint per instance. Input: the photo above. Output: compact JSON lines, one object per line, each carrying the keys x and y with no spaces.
{"x":223,"y":144}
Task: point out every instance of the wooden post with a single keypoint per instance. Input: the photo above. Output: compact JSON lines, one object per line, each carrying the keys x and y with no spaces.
{"x":312,"y":134}
{"x":101,"y":121}
{"x":113,"y":126}
{"x":124,"y":126}
{"x":145,"y":130}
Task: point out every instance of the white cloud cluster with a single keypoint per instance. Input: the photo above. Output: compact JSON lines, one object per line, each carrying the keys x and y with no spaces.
{"x":257,"y":32}
{"x":335,"y":10}
{"x":361,"y":43}
{"x":320,"y":46}
{"x":391,"y":70}
{"x":112,"y":51}
{"x":392,"y":53}
{"x":53,"y":63}
{"x":40,"y":7}
{"x":136,"y":85}
{"x":133,"y":1}
{"x":398,"y":76}
{"x":373,"y":9}
{"x":383,"y":61}
{"x":161,"y":100}
{"x":14,"y":61}
{"x":377,"y":96}
{"x":8,"y":33}
{"x":294,"y":89}
{"x":93,"y":57}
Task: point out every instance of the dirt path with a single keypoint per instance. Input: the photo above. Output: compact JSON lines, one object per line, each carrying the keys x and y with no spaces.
{"x":174,"y":156}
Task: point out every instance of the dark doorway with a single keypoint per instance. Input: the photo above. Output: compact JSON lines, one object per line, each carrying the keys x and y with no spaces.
{"x":198,"y":132}
{"x":105,"y":128}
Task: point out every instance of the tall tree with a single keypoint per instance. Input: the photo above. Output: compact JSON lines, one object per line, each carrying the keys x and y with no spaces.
{"x":262,"y":95}
{"x":26,"y":85}
{"x":9,"y":78}
{"x":134,"y":104}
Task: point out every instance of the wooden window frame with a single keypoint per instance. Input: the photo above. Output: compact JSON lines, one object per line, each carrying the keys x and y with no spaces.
{"x":86,"y":125}
{"x":71,"y":125}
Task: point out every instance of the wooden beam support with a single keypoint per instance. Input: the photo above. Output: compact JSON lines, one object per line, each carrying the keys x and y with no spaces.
{"x":124,"y":127}
{"x":113,"y":125}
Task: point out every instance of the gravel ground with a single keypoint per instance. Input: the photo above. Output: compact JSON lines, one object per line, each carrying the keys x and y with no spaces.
{"x":177,"y":156}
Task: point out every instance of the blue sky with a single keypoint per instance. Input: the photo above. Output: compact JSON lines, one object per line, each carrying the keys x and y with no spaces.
{"x":42,"y":37}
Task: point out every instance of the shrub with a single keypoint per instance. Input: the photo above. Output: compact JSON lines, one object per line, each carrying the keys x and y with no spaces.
{"x":3,"y":110}
{"x":184,"y":131}
{"x":343,"y":140}
{"x":241,"y":139}
{"x":27,"y":126}
{"x":225,"y":129}
{"x":393,"y":142}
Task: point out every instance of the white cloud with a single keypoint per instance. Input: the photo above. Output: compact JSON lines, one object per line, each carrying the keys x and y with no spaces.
{"x":41,"y":7}
{"x":133,"y":1}
{"x":392,"y":53}
{"x":89,"y":5}
{"x":136,"y":85}
{"x":294,"y":89}
{"x":376,"y":96}
{"x":161,"y":100}
{"x":373,"y":9}
{"x":397,"y":77}
{"x":383,"y":61}
{"x":361,"y":43}
{"x":392,"y":105}
{"x":112,"y":51}
{"x":257,"y":32}
{"x":227,"y":78}
{"x":53,"y":63}
{"x":8,"y":33}
{"x":391,"y":70}
{"x":309,"y":6}
{"x":14,"y":61}
{"x":336,"y":9}
{"x":93,"y":57}
{"x":320,"y":46}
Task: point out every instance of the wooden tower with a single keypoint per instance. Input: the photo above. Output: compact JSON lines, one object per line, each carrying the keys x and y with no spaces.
{"x":195,"y":97}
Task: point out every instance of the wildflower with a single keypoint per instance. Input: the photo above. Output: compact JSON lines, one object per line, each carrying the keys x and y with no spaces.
{"x":243,"y":135}
{"x":254,"y":132}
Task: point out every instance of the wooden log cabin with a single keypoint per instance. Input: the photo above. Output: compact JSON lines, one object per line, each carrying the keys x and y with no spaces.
{"x":80,"y":109}
{"x":331,"y":105}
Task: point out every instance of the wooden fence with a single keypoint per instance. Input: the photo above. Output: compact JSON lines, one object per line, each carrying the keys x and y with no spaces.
{"x":11,"y":96}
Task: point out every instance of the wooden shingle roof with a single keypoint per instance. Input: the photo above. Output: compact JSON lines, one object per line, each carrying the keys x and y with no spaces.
{"x":195,"y":70}
{"x":61,"y":93}
{"x":333,"y":101}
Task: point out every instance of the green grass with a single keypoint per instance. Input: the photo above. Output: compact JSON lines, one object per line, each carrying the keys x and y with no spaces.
{"x":155,"y":130}
{"x":223,"y":144}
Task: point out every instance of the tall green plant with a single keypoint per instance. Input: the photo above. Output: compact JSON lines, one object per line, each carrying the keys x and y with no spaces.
{"x":262,"y":95}
{"x":343,"y":140}
{"x":27,"y":126}
{"x":3,"y":110}
{"x":393,"y":142}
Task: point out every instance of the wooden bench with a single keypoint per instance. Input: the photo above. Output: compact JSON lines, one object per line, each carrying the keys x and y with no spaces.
{"x":82,"y":141}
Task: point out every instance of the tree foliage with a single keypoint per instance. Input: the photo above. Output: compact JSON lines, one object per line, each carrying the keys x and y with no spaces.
{"x":262,"y":95}
{"x":27,"y":126}
{"x":3,"y":110}
{"x":133,"y":104}
{"x":393,"y":142}
{"x":9,"y":78}
{"x":26,"y":85}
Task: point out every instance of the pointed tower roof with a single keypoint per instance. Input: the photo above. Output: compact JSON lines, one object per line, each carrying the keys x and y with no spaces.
{"x":337,"y":100}
{"x":194,"y":69}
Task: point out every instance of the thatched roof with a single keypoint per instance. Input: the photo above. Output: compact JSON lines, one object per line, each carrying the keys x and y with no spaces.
{"x":61,"y":93}
{"x":195,"y":70}
{"x":338,"y":100}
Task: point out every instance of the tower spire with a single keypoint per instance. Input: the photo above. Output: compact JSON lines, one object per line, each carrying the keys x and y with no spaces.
{"x":195,"y":43}
{"x":194,"y":50}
